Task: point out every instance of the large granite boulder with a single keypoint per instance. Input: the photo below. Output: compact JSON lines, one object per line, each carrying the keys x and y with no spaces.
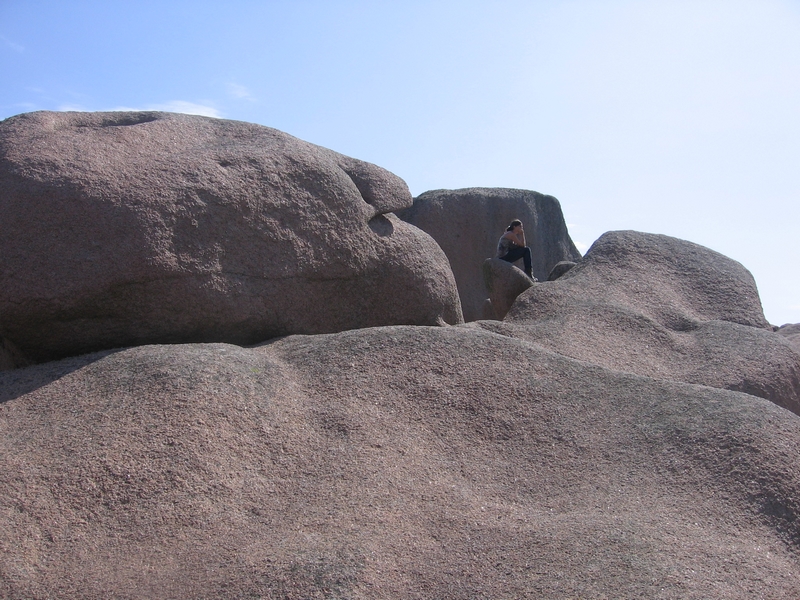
{"x":130,"y":228}
{"x":791,"y":331}
{"x":10,"y":356}
{"x":661,"y":307}
{"x":392,"y":462}
{"x":467,"y":224}
{"x":559,"y":269}
{"x":504,"y":282}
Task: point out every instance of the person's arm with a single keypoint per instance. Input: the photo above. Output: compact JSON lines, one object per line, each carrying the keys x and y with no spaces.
{"x":511,"y":237}
{"x":518,"y":239}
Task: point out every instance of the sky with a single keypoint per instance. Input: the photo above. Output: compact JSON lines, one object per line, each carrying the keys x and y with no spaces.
{"x":664,"y":116}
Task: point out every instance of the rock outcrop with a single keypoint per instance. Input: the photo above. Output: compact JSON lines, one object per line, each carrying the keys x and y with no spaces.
{"x":467,"y":224}
{"x":792,"y":334}
{"x":393,"y":462}
{"x":661,"y":307}
{"x":622,"y":433}
{"x":10,"y":357}
{"x":504,"y":282}
{"x":559,"y":269}
{"x":122,"y":229}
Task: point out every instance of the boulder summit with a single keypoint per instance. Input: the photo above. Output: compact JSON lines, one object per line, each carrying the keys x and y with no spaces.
{"x":247,"y":388}
{"x":123,"y":229}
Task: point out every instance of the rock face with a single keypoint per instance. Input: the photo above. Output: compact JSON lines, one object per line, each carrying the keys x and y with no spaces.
{"x":467,"y":224}
{"x":130,"y":228}
{"x":504,"y":282}
{"x":664,"y":308}
{"x":559,"y":269}
{"x":623,"y":433}
{"x":792,"y":334}
{"x":10,"y":357}
{"x":393,"y":462}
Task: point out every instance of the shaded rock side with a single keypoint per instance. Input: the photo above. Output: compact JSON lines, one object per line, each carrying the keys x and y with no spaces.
{"x":791,"y":332}
{"x":467,"y":224}
{"x":395,"y":462}
{"x":131,"y":228}
{"x":664,"y":308}
{"x":504,"y":282}
{"x":10,"y":356}
{"x":559,"y":269}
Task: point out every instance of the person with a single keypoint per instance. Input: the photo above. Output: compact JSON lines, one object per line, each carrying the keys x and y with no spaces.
{"x":511,"y":247}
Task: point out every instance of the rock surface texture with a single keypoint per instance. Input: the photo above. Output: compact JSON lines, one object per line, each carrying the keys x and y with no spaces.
{"x":504,"y":282}
{"x":129,"y":228}
{"x":792,"y":333}
{"x":665,"y":308}
{"x":559,"y":269}
{"x":623,"y":433}
{"x":393,"y":462}
{"x":467,"y":224}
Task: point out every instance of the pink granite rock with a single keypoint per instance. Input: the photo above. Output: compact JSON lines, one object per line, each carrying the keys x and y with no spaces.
{"x":791,"y":331}
{"x":504,"y":282}
{"x":389,"y":462}
{"x":122,"y":229}
{"x":661,"y":307}
{"x":468,"y":223}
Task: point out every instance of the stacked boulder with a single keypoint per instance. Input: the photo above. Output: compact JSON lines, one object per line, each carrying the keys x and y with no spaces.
{"x":629,"y":429}
{"x":663,"y":308}
{"x":467,"y":224}
{"x":792,"y":334}
{"x":123,"y":229}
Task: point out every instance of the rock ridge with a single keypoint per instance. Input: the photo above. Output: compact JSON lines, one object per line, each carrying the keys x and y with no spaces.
{"x":136,"y":228}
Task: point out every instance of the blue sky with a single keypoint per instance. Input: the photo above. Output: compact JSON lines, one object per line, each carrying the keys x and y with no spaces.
{"x":671,"y":117}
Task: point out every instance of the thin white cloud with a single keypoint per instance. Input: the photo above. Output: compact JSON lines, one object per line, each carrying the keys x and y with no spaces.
{"x":72,"y":108}
{"x":189,"y":108}
{"x":178,"y":106}
{"x":582,"y":248}
{"x":239,"y":91}
{"x":18,"y":48}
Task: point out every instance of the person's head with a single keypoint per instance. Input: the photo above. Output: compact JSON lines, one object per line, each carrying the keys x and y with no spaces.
{"x":514,"y":224}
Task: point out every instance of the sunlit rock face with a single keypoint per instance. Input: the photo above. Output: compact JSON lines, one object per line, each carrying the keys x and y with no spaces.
{"x":665,"y":308}
{"x":467,"y":224}
{"x":389,"y":462}
{"x":504,"y":282}
{"x":128,"y":228}
{"x":582,"y":447}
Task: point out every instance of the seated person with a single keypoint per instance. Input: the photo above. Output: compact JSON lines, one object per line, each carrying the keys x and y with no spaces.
{"x":511,"y":247}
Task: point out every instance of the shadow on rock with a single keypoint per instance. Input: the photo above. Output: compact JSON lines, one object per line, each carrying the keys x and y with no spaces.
{"x":20,"y":381}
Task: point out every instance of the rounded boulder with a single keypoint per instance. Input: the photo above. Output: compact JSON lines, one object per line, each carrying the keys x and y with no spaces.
{"x":128,"y":228}
{"x":467,"y":224}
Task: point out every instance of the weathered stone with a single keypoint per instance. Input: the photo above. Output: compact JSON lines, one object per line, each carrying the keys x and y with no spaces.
{"x":467,"y":224}
{"x":664,"y":308}
{"x":504,"y":282}
{"x":387,"y":461}
{"x":10,"y":356}
{"x":559,"y":269}
{"x":131,"y":228}
{"x":488,"y":311}
{"x":792,"y":334}
{"x":391,"y":462}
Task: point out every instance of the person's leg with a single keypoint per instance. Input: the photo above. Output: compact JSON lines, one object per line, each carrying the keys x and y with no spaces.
{"x":514,"y":254}
{"x":525,"y":254}
{"x":526,"y":258}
